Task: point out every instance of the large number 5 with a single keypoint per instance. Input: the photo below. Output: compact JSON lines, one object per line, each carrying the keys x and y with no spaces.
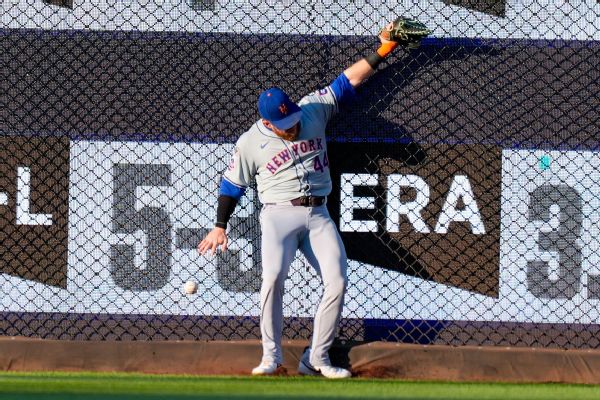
{"x":153,"y":221}
{"x":562,"y":240}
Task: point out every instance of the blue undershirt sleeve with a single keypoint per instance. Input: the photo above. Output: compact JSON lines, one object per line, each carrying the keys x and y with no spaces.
{"x":230,"y":189}
{"x":343,"y":89}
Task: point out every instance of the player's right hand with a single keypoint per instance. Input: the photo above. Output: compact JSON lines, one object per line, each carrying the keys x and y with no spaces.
{"x":215,"y":238}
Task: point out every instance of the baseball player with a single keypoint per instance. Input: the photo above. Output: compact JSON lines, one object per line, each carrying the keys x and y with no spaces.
{"x":286,"y":152}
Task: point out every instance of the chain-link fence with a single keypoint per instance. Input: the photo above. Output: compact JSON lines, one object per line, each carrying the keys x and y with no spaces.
{"x":466,"y":181}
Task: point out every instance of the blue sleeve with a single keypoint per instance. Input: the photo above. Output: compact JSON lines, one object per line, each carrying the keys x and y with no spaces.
{"x":343,"y":90}
{"x":230,"y":189}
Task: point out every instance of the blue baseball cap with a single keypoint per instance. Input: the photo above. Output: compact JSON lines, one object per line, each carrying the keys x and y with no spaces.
{"x":276,"y":107}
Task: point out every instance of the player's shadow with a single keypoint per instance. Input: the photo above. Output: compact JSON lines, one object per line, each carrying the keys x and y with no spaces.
{"x":397,"y":85}
{"x":362,"y":138}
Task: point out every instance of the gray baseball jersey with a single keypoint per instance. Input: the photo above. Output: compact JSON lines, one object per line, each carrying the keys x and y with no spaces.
{"x":287,"y":170}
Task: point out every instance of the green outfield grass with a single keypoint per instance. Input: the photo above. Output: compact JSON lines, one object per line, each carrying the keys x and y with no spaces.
{"x":89,"y":386}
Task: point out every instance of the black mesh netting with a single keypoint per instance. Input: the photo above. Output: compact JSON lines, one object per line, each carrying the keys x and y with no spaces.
{"x":466,"y":181}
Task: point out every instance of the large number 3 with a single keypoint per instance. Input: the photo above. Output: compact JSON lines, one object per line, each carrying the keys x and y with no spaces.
{"x":562,"y":240}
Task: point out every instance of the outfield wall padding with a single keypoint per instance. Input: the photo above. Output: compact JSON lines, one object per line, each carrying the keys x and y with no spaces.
{"x":370,"y":360}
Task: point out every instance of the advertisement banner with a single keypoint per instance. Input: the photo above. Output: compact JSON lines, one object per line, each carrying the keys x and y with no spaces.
{"x":34,"y":193}
{"x":463,"y":232}
{"x":134,"y":229}
{"x":551,"y":235}
{"x":430,"y":211}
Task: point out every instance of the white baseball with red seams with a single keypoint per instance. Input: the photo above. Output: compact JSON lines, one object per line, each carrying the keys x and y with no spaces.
{"x":190,"y":287}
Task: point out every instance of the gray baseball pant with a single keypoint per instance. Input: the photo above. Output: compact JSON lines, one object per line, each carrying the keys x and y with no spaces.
{"x":285,"y":229}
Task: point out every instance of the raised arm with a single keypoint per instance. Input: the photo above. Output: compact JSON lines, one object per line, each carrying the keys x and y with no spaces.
{"x":358,"y":72}
{"x":402,"y":31}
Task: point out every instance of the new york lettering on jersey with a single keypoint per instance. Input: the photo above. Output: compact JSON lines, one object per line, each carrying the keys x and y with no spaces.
{"x":312,"y":147}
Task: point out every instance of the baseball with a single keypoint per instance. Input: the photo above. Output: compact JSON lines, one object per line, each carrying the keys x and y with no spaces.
{"x":191,"y":287}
